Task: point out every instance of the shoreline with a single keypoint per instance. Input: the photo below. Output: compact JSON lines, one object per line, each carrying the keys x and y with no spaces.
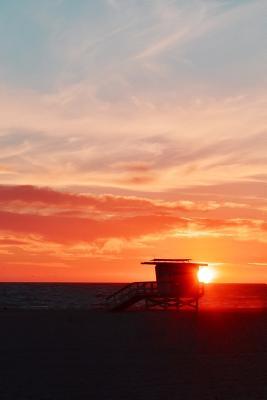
{"x":206,"y":310}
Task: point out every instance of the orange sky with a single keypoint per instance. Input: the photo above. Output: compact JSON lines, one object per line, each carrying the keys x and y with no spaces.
{"x":131,"y":130}
{"x":54,"y":235}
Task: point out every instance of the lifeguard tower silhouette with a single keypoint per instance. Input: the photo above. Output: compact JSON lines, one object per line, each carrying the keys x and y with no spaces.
{"x":176,"y":286}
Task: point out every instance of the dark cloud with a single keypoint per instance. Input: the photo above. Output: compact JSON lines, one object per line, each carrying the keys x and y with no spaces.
{"x":28,"y":195}
{"x":64,"y":229}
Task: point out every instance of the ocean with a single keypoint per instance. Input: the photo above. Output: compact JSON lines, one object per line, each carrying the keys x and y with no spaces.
{"x":92,"y":296}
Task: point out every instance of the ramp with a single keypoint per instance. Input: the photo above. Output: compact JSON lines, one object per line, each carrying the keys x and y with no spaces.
{"x":131,"y":294}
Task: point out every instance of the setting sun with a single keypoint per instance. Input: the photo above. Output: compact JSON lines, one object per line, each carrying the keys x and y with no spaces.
{"x":205,"y":275}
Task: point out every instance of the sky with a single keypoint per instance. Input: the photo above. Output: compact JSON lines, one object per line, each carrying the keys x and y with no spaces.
{"x":132,"y":129}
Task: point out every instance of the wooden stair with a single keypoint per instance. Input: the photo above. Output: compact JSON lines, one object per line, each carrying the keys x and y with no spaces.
{"x":131,"y":294}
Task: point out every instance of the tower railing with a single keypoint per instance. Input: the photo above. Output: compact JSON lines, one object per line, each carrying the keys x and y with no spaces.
{"x":148,"y":291}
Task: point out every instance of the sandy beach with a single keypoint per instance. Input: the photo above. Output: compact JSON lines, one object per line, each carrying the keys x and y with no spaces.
{"x":134,"y":355}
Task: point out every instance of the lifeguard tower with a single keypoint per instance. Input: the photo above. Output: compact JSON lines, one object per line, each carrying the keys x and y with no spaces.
{"x":176,"y":286}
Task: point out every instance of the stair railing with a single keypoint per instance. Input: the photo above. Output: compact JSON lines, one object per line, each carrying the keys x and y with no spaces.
{"x":129,"y":291}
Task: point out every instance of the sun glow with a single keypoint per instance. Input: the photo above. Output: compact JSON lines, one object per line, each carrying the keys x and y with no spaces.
{"x":206,"y":275}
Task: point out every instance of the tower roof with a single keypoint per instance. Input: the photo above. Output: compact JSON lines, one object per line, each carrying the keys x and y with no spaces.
{"x":173,"y":261}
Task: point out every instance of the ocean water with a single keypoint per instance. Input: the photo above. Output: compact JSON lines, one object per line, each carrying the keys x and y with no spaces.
{"x":92,"y":296}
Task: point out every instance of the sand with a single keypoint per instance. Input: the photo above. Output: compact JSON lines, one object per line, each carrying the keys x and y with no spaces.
{"x":133,"y":355}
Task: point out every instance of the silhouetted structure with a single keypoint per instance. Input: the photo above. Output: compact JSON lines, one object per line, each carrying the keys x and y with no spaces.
{"x":176,"y":285}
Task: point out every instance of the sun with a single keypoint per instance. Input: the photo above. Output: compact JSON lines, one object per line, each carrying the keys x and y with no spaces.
{"x":205,"y":275}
